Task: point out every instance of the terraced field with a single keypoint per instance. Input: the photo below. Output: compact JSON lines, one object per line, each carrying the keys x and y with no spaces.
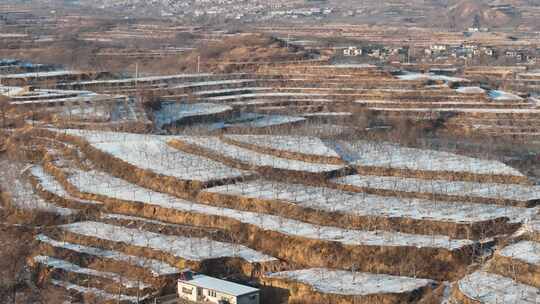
{"x":128,"y":191}
{"x":281,"y":212}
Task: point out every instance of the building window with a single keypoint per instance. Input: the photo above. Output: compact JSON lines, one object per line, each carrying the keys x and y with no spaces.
{"x":187,"y":290}
{"x":212,"y":293}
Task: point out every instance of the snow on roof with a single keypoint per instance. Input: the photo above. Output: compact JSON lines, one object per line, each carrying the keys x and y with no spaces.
{"x":491,"y":288}
{"x":296,"y":144}
{"x":223,"y":286}
{"x":362,"y":204}
{"x":388,"y":155}
{"x":106,"y":185}
{"x":526,"y":251}
{"x":73,"y":268}
{"x":215,"y":145}
{"x":341,"y":282}
{"x":158,"y":268}
{"x":457,"y":188}
{"x":189,"y":248}
{"x":502,"y":95}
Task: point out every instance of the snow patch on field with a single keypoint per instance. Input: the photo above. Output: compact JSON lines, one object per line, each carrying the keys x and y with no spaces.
{"x":352,"y":283}
{"x":491,"y":288}
{"x":157,"y":268}
{"x":188,"y":248}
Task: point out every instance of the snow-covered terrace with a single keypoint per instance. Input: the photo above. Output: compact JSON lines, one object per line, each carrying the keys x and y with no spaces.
{"x":108,"y":186}
{"x":101,"y":294}
{"x":489,"y":288}
{"x":389,"y":155}
{"x":430,"y":76}
{"x":156,"y":267}
{"x":152,"y":153}
{"x":361,"y":204}
{"x":443,"y":187}
{"x":188,"y":248}
{"x":458,"y":110}
{"x":46,"y":74}
{"x":74,"y":268}
{"x":48,"y":183}
{"x":246,"y":156}
{"x":329,"y":281}
{"x":22,"y":194}
{"x":173,"y":112}
{"x":503,"y":96}
{"x":525,"y":251}
{"x":297,"y":144}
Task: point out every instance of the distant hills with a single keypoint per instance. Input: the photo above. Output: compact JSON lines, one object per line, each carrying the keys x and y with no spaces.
{"x":455,"y":14}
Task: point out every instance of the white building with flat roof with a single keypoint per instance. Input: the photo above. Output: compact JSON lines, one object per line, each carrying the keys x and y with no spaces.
{"x":205,"y":289}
